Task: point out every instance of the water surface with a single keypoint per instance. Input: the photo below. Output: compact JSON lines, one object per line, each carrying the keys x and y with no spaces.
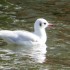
{"x":21,"y":14}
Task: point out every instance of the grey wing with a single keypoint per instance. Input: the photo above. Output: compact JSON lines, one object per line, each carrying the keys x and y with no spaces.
{"x":26,"y":36}
{"x":17,"y":36}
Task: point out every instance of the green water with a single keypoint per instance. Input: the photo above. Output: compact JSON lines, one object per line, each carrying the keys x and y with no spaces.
{"x":21,"y":14}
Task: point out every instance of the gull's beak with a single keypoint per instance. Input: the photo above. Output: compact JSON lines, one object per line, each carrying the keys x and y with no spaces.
{"x":50,"y":25}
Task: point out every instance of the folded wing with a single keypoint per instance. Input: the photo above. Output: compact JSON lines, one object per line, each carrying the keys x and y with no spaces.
{"x":18,"y":36}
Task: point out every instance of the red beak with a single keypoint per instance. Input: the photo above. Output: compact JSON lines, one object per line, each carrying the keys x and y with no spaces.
{"x":50,"y":25}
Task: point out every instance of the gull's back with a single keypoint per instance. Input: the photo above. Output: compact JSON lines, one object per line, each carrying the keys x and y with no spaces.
{"x":18,"y":36}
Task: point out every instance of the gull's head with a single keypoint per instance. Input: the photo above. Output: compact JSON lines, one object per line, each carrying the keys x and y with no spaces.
{"x":41,"y":23}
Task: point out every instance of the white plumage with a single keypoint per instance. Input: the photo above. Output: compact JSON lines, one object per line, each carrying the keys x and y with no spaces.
{"x":24,"y":37}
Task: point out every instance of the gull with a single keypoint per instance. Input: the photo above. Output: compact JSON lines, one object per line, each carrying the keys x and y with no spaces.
{"x":22,"y":37}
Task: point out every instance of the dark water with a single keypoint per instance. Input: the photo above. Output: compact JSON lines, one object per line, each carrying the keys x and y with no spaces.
{"x":21,"y":14}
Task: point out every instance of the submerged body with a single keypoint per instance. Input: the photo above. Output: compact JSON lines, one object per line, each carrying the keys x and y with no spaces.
{"x":24,"y":37}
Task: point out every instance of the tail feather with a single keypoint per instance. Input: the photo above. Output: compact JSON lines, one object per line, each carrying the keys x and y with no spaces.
{"x":7,"y":33}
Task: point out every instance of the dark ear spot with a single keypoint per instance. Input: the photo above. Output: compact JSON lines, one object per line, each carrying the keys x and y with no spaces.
{"x":40,"y":24}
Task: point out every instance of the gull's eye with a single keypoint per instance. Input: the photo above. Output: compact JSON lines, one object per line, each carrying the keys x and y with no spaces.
{"x":44,"y":23}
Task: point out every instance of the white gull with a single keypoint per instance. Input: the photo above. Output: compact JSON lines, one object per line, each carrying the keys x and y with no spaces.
{"x":22,"y":37}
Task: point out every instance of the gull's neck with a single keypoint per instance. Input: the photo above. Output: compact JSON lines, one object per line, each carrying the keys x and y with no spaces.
{"x":41,"y":33}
